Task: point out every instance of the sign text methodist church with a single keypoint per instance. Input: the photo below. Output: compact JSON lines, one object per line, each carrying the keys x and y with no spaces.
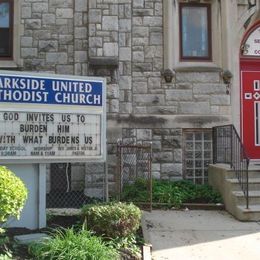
{"x":51,"y":117}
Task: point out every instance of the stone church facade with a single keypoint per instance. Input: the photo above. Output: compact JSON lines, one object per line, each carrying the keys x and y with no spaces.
{"x":160,"y":88}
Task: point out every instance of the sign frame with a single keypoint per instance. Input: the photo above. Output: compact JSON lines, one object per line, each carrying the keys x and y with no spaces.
{"x":58,"y":109}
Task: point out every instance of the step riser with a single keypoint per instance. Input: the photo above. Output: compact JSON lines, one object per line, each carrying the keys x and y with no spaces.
{"x":251,"y":174}
{"x":237,"y":187}
{"x":252,"y":200}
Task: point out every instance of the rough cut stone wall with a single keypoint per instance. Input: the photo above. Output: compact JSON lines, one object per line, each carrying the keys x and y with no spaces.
{"x":55,"y":36}
{"x":123,"y":41}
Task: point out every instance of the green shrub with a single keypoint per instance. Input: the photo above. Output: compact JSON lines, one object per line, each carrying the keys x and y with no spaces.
{"x":169,"y":192}
{"x":67,"y":244}
{"x":13,"y":194}
{"x":112,"y":220}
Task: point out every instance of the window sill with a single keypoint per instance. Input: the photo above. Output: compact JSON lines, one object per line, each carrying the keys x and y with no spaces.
{"x":206,"y":67}
{"x":8,"y":64}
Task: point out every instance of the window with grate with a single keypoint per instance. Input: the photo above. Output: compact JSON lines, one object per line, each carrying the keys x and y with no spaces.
{"x":197,"y":154}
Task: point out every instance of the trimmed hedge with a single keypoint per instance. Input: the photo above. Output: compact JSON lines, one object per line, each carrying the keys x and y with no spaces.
{"x":112,"y":220}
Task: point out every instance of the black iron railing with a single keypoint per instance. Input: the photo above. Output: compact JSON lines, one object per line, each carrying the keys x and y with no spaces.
{"x":228,"y":148}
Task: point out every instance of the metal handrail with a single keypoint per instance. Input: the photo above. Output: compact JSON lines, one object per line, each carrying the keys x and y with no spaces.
{"x":228,"y":148}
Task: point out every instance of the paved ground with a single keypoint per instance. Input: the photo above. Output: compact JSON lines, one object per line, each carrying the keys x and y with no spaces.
{"x":198,"y":234}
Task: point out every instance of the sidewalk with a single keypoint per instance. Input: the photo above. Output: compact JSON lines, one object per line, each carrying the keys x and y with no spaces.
{"x":199,"y":234}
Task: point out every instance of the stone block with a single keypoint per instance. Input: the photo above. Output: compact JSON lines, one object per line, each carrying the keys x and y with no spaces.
{"x":33,"y":24}
{"x":26,"y":41}
{"x":138,"y":3}
{"x":81,"y":5}
{"x":171,"y":142}
{"x":125,"y":107}
{"x":156,"y":175}
{"x":154,"y":83}
{"x":156,"y":167}
{"x":29,"y":52}
{"x":198,"y":77}
{"x":40,"y":7}
{"x":80,"y":33}
{"x":209,"y":89}
{"x":194,"y":108}
{"x":158,"y":9}
{"x":140,"y":41}
{"x":163,"y":110}
{"x":138,"y":56}
{"x":152,"y":51}
{"x":125,"y":82}
{"x":114,"y":106}
{"x":156,"y":38}
{"x":148,"y":99}
{"x":171,"y":169}
{"x":142,"y":67}
{"x":26,"y":12}
{"x":125,"y":25}
{"x":162,"y":157}
{"x":140,"y":31}
{"x":220,"y":100}
{"x":128,"y":132}
{"x":110,"y":23}
{"x":66,"y":13}
{"x":95,"y":42}
{"x":57,"y":58}
{"x":112,"y":91}
{"x":144,"y":134}
{"x":177,"y":155}
{"x":140,"y":87}
{"x":48,"y":19}
{"x":110,"y":49}
{"x":65,"y":39}
{"x":178,"y":95}
{"x":153,"y":21}
{"x":125,"y":54}
{"x":48,"y":46}
{"x":80,"y":56}
{"x":95,"y":16}
{"x":65,"y":69}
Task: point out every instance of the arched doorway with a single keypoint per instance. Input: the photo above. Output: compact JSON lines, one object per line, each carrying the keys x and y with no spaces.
{"x":250,"y":91}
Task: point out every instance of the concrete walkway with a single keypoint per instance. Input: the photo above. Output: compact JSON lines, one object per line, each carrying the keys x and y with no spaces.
{"x":199,"y":234}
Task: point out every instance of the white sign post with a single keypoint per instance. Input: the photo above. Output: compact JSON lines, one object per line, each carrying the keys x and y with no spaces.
{"x":50,"y":119}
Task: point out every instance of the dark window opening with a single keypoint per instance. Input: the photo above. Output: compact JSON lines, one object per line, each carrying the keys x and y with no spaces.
{"x":6,"y":29}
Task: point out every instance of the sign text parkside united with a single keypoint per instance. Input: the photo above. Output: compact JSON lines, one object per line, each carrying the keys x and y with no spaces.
{"x":51,"y":117}
{"x":50,"y":91}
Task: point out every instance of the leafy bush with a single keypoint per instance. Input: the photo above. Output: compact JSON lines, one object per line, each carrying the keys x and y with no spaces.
{"x":169,"y":192}
{"x":13,"y":194}
{"x":67,"y":244}
{"x":112,"y":220}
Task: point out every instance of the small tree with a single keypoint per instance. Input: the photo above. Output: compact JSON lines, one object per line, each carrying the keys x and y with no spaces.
{"x":13,"y":195}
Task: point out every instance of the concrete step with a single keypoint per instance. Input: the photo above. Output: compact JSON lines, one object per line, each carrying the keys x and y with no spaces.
{"x":250,"y":214}
{"x":254,"y":197}
{"x":251,"y":174}
{"x":254,"y":184}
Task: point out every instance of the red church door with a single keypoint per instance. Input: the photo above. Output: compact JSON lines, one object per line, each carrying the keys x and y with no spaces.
{"x":250,"y":92}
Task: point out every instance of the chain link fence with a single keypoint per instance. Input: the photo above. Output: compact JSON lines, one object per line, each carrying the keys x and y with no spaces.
{"x":73,"y":185}
{"x":134,"y":172}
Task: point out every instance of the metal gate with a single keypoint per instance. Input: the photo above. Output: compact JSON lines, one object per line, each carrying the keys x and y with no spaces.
{"x":134,"y":170}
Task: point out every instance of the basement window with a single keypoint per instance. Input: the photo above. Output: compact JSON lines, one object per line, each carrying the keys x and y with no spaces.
{"x":197,"y":154}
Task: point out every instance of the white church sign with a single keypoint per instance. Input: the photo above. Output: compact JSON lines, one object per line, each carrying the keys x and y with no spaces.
{"x":252,"y":45}
{"x":51,"y":117}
